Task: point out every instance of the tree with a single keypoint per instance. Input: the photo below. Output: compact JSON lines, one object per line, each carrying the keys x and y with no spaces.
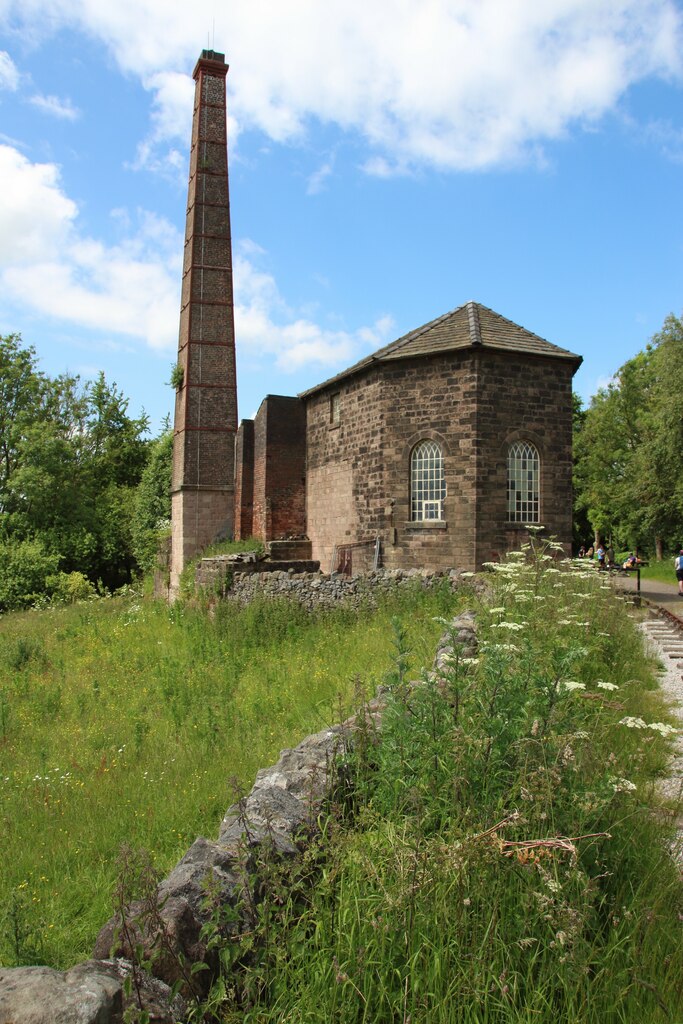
{"x":152,"y":511}
{"x":629,"y":465}
{"x":71,"y":458}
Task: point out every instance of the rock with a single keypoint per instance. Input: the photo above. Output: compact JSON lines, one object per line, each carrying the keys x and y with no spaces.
{"x":90,"y":993}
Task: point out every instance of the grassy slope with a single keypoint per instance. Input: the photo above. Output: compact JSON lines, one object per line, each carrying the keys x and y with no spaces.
{"x":128,"y":721}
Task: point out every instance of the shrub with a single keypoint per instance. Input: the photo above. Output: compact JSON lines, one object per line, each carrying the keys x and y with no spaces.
{"x":25,"y":567}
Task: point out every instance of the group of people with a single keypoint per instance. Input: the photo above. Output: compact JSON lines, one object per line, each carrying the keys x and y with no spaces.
{"x":605,"y":559}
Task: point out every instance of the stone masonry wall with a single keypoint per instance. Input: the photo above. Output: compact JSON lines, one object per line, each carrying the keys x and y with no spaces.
{"x":344,"y":473}
{"x":474,"y":403}
{"x":523,"y":399}
{"x":314,"y":590}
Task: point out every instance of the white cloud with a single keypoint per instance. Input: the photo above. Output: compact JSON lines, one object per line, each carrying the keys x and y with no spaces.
{"x":9,"y":76}
{"x":56,"y":107}
{"x":455,"y":84}
{"x":132,"y":289}
{"x":266,"y":327}
{"x":317,"y":180}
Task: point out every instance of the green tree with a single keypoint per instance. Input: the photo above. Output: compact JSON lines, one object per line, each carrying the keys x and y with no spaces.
{"x":152,"y":510}
{"x":629,"y":450}
{"x":71,"y":458}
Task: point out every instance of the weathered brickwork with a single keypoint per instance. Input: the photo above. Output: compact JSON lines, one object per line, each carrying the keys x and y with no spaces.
{"x":206,"y":400}
{"x":244,"y":480}
{"x":279,"y":507}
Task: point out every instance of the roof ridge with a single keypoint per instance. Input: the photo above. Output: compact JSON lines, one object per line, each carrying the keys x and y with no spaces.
{"x":405,"y":339}
{"x":474,"y":325}
{"x":519,"y":327}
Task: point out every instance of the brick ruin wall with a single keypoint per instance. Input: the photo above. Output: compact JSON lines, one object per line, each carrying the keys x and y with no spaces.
{"x":279,"y":469}
{"x":244,"y":480}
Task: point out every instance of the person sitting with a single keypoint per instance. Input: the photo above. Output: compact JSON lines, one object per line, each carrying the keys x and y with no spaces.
{"x":631,"y":562}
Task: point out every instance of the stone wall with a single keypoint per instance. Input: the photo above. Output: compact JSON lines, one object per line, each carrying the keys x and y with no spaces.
{"x":314,"y":590}
{"x":344,"y":472}
{"x":544,"y":418}
{"x":473,"y":403}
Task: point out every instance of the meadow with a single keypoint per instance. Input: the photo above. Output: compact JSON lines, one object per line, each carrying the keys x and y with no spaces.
{"x":124,"y":720}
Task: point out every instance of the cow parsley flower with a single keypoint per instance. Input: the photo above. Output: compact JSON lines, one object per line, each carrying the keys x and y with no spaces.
{"x":571,"y":684}
{"x":601,"y":685}
{"x":662,"y":728}
{"x":633,"y":723}
{"x":622,"y":785}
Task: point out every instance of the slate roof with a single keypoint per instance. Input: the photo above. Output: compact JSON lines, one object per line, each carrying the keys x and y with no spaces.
{"x":468,"y":326}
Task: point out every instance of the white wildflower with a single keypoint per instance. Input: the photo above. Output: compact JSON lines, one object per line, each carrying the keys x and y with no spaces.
{"x":496,"y":611}
{"x":622,"y":785}
{"x":606,"y":686}
{"x":513,"y":626}
{"x":633,"y":723}
{"x":662,"y":728}
{"x":571,"y":684}
{"x":466,"y":575}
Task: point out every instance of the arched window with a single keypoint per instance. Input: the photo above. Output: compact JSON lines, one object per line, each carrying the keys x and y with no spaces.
{"x":523,"y":483}
{"x":427,"y":482}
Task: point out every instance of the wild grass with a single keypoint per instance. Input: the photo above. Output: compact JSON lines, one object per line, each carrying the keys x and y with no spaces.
{"x":125,"y":720}
{"x":500,"y":857}
{"x":663,"y":571}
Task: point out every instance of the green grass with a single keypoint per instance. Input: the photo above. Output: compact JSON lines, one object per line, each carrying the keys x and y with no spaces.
{"x":128,"y":721}
{"x":662,"y":571}
{"x":425,"y":909}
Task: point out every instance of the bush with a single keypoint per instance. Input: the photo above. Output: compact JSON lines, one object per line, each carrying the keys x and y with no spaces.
{"x":25,"y":567}
{"x":69,"y":587}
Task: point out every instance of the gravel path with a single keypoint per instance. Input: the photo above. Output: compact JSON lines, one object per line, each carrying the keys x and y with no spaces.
{"x":665,"y":642}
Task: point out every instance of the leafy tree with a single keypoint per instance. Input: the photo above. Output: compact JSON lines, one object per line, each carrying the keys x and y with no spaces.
{"x":152,"y":510}
{"x":71,"y":458}
{"x":629,"y":466}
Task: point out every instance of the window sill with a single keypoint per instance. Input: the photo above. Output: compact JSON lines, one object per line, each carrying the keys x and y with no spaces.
{"x":333,"y":426}
{"x":426,"y":524}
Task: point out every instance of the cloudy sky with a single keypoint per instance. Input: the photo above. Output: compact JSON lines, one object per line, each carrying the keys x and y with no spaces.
{"x":388,"y":162}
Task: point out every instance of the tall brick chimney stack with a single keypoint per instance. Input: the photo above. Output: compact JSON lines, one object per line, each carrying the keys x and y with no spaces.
{"x":202,"y":490}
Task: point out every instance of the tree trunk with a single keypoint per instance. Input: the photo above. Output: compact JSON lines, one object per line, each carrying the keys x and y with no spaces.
{"x":659,"y":549}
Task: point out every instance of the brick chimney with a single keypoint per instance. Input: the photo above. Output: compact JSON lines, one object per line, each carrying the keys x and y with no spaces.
{"x":202,"y":490}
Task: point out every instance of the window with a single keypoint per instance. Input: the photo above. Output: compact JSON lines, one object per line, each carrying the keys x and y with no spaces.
{"x":523,"y":481}
{"x":427,"y":482}
{"x":335,"y":414}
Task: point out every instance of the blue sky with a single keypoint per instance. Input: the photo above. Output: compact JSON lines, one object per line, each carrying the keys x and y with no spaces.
{"x":388,"y":162}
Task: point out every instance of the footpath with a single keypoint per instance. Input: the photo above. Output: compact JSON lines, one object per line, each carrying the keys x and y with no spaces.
{"x":665,"y":641}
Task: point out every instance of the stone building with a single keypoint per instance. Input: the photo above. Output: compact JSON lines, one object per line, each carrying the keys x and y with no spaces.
{"x":444,"y":445}
{"x":440,"y":449}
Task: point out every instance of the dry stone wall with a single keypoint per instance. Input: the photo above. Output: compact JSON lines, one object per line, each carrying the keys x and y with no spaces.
{"x":314,"y":590}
